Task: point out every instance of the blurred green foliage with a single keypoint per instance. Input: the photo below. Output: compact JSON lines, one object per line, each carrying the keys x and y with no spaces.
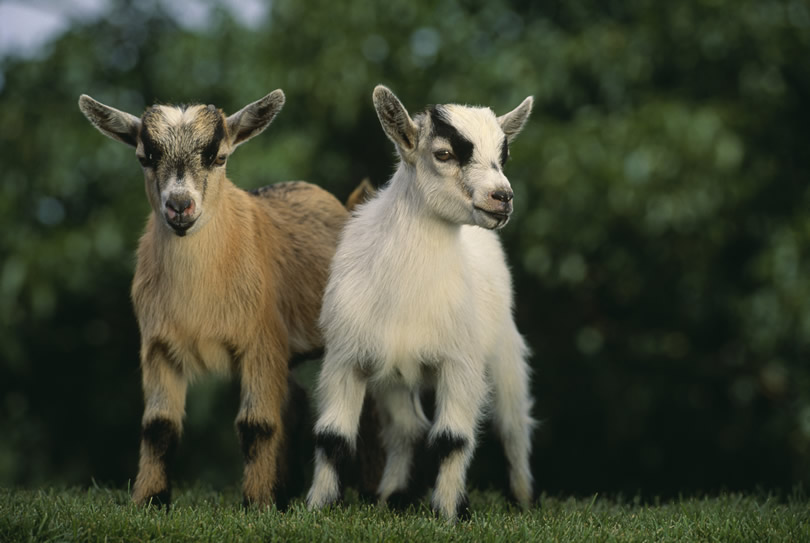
{"x":660,"y":244}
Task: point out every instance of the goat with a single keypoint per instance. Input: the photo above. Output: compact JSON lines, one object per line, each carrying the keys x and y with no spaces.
{"x":420,"y":295}
{"x":226,"y":281}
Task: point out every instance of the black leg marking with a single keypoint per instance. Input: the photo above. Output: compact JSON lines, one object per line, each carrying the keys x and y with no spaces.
{"x":251,"y":435}
{"x":338,"y":452}
{"x":446,"y":444}
{"x":161,"y":436}
{"x":335,"y":447}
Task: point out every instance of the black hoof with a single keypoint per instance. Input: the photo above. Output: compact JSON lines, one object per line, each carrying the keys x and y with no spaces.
{"x":402,"y":501}
{"x":159,"y":500}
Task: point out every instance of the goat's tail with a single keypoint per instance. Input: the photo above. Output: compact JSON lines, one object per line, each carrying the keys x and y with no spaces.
{"x":364,"y":192}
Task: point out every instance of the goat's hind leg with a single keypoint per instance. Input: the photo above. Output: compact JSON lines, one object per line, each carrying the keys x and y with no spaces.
{"x":403,"y":425}
{"x":512,"y":413}
{"x":164,"y":389}
{"x":263,"y":374}
{"x":341,"y":391}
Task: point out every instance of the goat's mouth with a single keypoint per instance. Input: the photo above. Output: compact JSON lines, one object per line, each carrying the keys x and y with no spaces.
{"x":494,"y":219}
{"x":180,"y":225}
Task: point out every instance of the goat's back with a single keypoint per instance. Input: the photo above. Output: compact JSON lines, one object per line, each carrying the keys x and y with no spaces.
{"x":308,"y":221}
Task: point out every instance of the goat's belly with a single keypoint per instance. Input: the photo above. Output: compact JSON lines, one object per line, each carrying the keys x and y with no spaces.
{"x":200,"y":356}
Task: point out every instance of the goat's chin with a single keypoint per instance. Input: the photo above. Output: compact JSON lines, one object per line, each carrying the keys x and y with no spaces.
{"x":489,"y":219}
{"x":183,"y":228}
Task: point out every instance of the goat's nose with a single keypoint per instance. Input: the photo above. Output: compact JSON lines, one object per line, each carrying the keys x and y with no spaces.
{"x":178,"y":205}
{"x":502,"y":195}
{"x":183,"y":207}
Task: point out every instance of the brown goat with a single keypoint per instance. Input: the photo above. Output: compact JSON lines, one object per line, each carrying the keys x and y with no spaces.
{"x":226,"y":280}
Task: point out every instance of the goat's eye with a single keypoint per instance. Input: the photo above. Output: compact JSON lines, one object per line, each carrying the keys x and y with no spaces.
{"x":443,"y":156}
{"x":146,"y":161}
{"x":220,"y":160}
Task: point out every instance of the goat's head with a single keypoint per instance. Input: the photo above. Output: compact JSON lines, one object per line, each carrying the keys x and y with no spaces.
{"x":183,"y":151}
{"x":458,"y":154}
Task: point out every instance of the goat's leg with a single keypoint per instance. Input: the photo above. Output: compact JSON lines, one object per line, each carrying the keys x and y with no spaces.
{"x":460,"y":394}
{"x":263,"y":375}
{"x":403,"y":424}
{"x":164,"y":389}
{"x":512,"y":413}
{"x":341,"y":390}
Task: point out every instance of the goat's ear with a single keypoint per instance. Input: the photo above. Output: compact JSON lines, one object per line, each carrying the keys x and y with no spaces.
{"x":396,"y":122}
{"x":252,"y":119}
{"x":512,"y":122}
{"x":111,"y":122}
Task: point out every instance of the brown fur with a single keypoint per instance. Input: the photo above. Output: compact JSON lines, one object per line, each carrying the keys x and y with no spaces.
{"x":239,"y":294}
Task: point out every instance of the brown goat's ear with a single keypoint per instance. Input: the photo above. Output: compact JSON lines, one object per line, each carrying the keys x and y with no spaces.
{"x":252,"y":119}
{"x":111,"y":122}
{"x":396,"y":122}
{"x":512,"y":122}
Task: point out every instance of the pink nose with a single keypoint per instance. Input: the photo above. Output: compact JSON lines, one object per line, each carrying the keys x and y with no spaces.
{"x":179,"y":206}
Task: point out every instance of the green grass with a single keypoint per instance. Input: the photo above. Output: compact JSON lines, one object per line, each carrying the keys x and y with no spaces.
{"x":100,"y":514}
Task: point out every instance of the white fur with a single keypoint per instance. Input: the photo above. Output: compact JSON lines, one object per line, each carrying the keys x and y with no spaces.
{"x":420,"y":295}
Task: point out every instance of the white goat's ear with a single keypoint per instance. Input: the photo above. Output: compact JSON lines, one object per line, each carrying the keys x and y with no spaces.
{"x":396,"y":122}
{"x":111,"y":122}
{"x":512,"y":122}
{"x":252,"y":119}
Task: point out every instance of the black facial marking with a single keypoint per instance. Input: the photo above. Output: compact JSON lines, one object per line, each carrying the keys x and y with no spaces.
{"x":446,"y":444}
{"x":211,"y":149}
{"x":462,"y":147}
{"x":161,"y":436}
{"x":151,"y":151}
{"x":504,"y":152}
{"x":335,"y":447}
{"x":251,"y":435}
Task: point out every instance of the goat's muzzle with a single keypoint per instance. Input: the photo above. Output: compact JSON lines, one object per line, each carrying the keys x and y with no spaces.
{"x":496,"y":209}
{"x":180,"y":214}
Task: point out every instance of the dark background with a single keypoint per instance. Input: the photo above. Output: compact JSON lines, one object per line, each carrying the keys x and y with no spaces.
{"x":660,"y":245}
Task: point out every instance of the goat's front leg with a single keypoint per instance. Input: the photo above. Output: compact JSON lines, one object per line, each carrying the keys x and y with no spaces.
{"x":341,"y":390}
{"x":460,"y":394}
{"x":263,"y":374}
{"x":164,"y":389}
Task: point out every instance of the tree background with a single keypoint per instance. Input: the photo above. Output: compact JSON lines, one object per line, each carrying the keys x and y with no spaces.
{"x":660,"y":244}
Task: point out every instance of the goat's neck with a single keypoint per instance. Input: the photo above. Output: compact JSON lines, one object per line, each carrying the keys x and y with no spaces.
{"x":203,"y":250}
{"x":407,"y":210}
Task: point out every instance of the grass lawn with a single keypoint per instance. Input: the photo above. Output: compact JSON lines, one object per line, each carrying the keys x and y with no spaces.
{"x":100,"y":514}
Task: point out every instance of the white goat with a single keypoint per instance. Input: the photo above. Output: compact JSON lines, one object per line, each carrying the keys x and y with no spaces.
{"x":420,"y":295}
{"x":226,"y":281}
